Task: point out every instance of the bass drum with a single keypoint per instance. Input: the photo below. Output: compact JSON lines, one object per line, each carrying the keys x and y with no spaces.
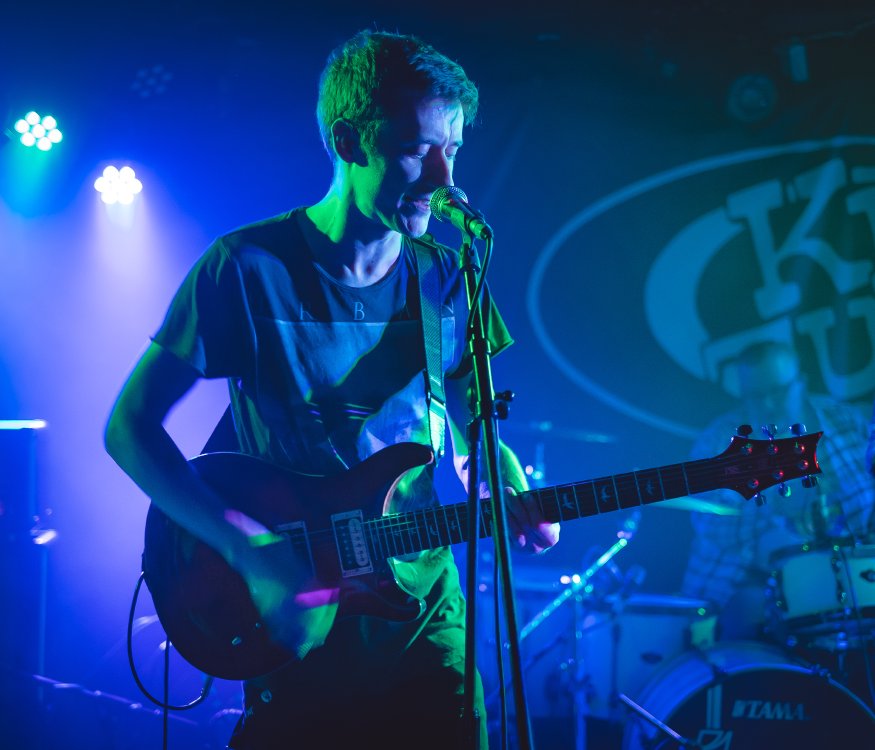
{"x":748,"y":696}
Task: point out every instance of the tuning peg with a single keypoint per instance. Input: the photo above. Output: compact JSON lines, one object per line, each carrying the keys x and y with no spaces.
{"x":809,"y":481}
{"x":798,"y":429}
{"x":743,"y":430}
{"x":769,"y":430}
{"x":784,"y":490}
{"x":759,"y":499}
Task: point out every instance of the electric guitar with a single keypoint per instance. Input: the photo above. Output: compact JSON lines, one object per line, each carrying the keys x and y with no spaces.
{"x":345,"y":542}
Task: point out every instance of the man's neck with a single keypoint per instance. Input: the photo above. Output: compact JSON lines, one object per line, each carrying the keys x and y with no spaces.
{"x":354,"y":250}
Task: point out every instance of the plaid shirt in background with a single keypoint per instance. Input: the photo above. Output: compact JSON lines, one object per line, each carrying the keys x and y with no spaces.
{"x":731,"y":551}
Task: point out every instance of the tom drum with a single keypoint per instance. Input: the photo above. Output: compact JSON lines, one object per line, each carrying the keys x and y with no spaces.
{"x":823,"y":595}
{"x":623,"y":643}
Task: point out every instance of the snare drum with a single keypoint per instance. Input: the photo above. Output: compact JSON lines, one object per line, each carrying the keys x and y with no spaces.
{"x":748,"y":696}
{"x":823,"y":595}
{"x":624,"y":643}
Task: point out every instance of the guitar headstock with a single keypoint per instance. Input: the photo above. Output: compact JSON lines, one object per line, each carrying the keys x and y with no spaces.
{"x":750,"y":466}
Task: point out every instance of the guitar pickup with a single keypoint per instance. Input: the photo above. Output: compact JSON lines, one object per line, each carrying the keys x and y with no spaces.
{"x":352,"y":544}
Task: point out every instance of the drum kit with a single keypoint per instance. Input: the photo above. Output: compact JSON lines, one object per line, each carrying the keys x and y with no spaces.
{"x":635,"y":671}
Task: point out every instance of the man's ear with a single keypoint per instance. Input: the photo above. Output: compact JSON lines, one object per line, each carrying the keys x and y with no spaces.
{"x":347,"y":142}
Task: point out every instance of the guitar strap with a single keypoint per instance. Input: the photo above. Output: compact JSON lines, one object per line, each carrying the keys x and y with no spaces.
{"x":430,"y":313}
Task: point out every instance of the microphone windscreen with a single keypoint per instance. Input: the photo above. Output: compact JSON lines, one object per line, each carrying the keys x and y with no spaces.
{"x":440,"y":196}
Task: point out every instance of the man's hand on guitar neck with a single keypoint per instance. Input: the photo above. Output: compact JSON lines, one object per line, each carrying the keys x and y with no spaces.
{"x":527,"y":527}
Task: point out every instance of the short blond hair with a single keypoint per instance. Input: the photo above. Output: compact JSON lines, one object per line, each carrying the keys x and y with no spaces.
{"x":368,"y":75}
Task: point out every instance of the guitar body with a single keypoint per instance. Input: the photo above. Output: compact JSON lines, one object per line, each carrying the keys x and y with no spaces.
{"x":206,"y":607}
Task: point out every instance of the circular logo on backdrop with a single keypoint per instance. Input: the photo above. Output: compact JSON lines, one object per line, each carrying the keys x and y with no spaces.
{"x":644,"y":297}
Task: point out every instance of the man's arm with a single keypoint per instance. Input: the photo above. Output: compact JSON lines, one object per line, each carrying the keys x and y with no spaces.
{"x":527,"y":527}
{"x":136,"y":440}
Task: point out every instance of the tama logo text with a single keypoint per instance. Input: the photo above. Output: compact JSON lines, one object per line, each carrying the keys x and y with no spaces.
{"x":769,"y":710}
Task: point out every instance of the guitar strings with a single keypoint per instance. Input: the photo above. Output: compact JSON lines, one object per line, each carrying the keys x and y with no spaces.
{"x":402,"y":533}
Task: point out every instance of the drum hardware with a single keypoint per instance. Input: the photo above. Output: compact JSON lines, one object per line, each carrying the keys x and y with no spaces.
{"x":630,"y":638}
{"x":580,"y":586}
{"x":749,"y":695}
{"x":660,"y":725}
{"x":584,"y":590}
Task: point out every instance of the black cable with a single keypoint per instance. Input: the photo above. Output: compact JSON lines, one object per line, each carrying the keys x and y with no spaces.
{"x":164,"y":710}
{"x":165,"y":704}
{"x":481,"y":283}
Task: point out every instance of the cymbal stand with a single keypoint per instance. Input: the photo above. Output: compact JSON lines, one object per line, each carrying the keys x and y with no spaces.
{"x":579,"y":582}
{"x":580,"y":589}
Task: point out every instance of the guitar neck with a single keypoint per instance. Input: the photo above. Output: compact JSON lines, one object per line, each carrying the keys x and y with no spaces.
{"x":405,"y":533}
{"x":746,"y":467}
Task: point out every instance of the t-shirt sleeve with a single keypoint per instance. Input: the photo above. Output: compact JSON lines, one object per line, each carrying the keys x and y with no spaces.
{"x":208,"y":324}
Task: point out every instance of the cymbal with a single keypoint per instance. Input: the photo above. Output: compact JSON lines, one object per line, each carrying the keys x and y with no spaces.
{"x":546,"y":427}
{"x":697,"y":505}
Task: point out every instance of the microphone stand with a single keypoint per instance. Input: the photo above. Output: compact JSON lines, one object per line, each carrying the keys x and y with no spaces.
{"x":487,"y":408}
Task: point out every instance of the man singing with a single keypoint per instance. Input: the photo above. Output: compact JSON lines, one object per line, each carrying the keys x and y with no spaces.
{"x":313,"y":318}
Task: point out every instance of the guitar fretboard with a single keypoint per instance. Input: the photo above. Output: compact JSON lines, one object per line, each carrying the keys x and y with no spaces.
{"x":406,"y":533}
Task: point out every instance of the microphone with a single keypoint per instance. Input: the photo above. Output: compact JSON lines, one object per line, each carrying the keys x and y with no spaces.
{"x":450,"y":204}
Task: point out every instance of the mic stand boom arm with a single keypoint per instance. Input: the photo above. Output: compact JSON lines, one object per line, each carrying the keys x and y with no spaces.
{"x":485,"y":426}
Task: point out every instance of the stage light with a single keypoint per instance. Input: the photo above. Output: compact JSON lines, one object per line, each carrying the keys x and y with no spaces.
{"x":118,"y":185}
{"x":751,"y":98}
{"x":23,"y":424}
{"x":41,"y":132}
{"x":151,"y":81}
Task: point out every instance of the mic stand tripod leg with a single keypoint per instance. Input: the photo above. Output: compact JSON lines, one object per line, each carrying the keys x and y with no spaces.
{"x":661,"y":726}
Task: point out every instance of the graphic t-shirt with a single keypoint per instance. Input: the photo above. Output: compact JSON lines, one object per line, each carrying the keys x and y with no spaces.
{"x":321,"y":375}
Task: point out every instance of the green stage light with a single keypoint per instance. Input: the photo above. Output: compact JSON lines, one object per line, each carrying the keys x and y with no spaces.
{"x":41,"y":132}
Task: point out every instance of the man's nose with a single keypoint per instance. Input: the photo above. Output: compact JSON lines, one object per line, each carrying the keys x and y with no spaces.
{"x":440,"y":169}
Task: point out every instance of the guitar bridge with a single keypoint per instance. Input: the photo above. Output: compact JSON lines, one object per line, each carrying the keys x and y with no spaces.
{"x":352,"y":544}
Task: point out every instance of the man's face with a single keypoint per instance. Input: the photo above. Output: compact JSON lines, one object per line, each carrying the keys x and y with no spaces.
{"x":772,"y":384}
{"x":413,"y":156}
